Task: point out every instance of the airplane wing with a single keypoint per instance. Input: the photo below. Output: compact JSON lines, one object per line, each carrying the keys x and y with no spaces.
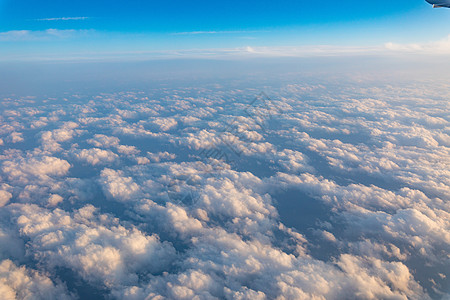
{"x":439,"y":3}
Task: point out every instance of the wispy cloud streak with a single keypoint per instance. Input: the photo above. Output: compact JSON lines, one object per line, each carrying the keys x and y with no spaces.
{"x":219,"y":32}
{"x":33,"y":35}
{"x":64,"y":19}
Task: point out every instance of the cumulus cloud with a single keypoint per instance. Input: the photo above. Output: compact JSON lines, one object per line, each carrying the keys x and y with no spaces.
{"x":293,"y":160}
{"x":96,"y":156}
{"x":51,"y":139}
{"x":5,"y":196}
{"x":104,"y":141}
{"x":54,"y":200}
{"x":224,"y":197}
{"x":142,"y":160}
{"x":165,"y":124}
{"x":365,"y":278}
{"x":157,"y":157}
{"x":22,"y":283}
{"x":26,"y":169}
{"x":15,"y":137}
{"x":128,"y":150}
{"x":341,"y":195}
{"x":270,"y":273}
{"x":118,"y":187}
{"x":96,"y":246}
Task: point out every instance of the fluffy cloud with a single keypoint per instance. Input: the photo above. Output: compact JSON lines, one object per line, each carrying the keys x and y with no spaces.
{"x":342,"y":194}
{"x":25,"y":169}
{"x":54,"y":200}
{"x":51,"y":139}
{"x":128,"y":150}
{"x":118,"y":187}
{"x":15,"y":137}
{"x":104,"y":141}
{"x":293,"y":160}
{"x":165,"y":124}
{"x":270,"y":273}
{"x":22,"y":283}
{"x":157,"y":157}
{"x":226,"y":197}
{"x":5,"y":196}
{"x":96,"y":156}
{"x":364,"y":278}
{"x":96,"y":246}
{"x":142,"y":160}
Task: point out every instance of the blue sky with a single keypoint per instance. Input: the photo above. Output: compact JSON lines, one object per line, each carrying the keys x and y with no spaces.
{"x":61,"y":28}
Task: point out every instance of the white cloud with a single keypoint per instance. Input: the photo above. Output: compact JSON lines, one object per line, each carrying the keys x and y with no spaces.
{"x":26,"y":169}
{"x":25,"y":284}
{"x":104,"y":141}
{"x":118,"y":187}
{"x":64,"y":19}
{"x":165,"y":124}
{"x":5,"y":196}
{"x":95,"y":246}
{"x":96,"y":156}
{"x":30,"y":35}
{"x":54,"y":200}
{"x":142,"y":160}
{"x":128,"y":150}
{"x":14,"y":35}
{"x":293,"y":160}
{"x":364,"y":278}
{"x":227,"y":198}
{"x":373,"y":158}
{"x":15,"y":137}
{"x":157,"y":157}
{"x":51,"y":139}
{"x":388,"y":49}
{"x":439,"y":47}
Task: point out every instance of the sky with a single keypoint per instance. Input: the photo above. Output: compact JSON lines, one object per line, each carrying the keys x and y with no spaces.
{"x":92,"y":29}
{"x":224,"y":150}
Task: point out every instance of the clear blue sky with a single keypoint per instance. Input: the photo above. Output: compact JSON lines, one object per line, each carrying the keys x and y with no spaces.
{"x":99,"y":26}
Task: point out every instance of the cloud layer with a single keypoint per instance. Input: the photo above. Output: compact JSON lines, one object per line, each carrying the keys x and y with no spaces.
{"x":327,"y":189}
